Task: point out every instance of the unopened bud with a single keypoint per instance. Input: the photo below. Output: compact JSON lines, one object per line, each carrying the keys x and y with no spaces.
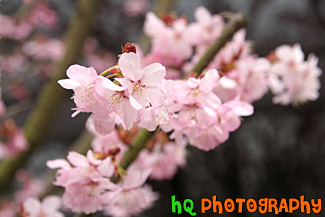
{"x":128,"y":48}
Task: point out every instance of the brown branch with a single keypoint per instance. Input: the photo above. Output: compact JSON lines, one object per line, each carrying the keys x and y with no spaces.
{"x":40,"y":121}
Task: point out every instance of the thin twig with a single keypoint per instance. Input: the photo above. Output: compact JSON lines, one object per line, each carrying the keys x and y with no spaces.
{"x":16,"y":109}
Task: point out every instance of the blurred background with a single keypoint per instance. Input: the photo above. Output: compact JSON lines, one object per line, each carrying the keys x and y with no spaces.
{"x":277,"y":152}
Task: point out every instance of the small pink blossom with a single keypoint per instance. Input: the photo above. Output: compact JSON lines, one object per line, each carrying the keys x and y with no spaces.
{"x":87,"y":177}
{"x":206,"y":28}
{"x":47,"y":208}
{"x":131,"y":197}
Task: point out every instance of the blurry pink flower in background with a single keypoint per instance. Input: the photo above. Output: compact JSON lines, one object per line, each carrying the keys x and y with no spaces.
{"x":101,"y":60}
{"x":12,"y":139}
{"x":206,"y":29}
{"x":11,"y":29}
{"x":13,"y":63}
{"x":135,"y":7}
{"x":43,"y":48}
{"x":43,"y":15}
{"x":31,"y":187}
{"x":293,"y":80}
{"x":2,"y":107}
{"x":8,"y":208}
{"x":47,"y":208}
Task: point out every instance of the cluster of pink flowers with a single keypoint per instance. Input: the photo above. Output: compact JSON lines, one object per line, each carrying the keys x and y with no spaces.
{"x":134,"y":96}
{"x":200,"y":110}
{"x":89,"y":178}
{"x":293,"y":80}
{"x":200,"y":115}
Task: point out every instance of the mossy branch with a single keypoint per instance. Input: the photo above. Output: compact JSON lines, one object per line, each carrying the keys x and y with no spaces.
{"x":41,"y":119}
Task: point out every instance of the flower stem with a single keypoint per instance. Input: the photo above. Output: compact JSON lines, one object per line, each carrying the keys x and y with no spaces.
{"x":104,"y":73}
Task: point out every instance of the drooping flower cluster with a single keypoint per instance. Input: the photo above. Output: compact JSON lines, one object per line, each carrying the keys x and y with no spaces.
{"x":89,"y":178}
{"x":134,"y":94}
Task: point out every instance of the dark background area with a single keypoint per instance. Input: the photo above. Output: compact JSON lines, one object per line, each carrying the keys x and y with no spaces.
{"x":278,"y":152}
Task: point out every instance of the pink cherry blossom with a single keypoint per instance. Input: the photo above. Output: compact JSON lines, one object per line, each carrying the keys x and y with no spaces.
{"x":142,"y":84}
{"x":131,"y":197}
{"x":47,"y":208}
{"x":87,"y":177}
{"x":293,"y":80}
{"x":206,"y":28}
{"x":164,"y":160}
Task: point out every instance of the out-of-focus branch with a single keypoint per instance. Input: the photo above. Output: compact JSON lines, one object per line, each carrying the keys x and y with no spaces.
{"x":40,"y":121}
{"x":236,"y":22}
{"x":15,"y":109}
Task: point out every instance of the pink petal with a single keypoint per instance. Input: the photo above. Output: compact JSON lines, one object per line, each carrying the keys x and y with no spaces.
{"x":209,"y":81}
{"x":135,"y":178}
{"x":32,"y":206}
{"x":77,"y":159}
{"x":68,"y":83}
{"x":128,"y":114}
{"x":81,"y":74}
{"x":129,"y":64}
{"x":58,"y":163}
{"x":110,"y":85}
{"x":155,"y":96}
{"x":51,"y":204}
{"x":153,"y":74}
{"x":135,"y":104}
{"x":104,"y":125}
{"x":203,"y":15}
{"x":106,"y":168}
